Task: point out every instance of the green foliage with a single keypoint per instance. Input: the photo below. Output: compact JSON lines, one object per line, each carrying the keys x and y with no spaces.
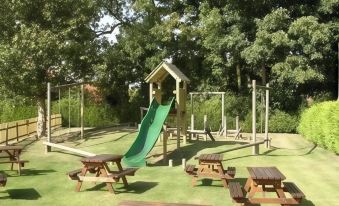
{"x":10,"y":112}
{"x":319,"y":124}
{"x":279,"y":122}
{"x":211,"y":106}
{"x":282,"y":122}
{"x":94,"y":115}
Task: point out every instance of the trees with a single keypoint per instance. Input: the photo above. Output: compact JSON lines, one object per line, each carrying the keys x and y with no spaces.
{"x":46,"y":41}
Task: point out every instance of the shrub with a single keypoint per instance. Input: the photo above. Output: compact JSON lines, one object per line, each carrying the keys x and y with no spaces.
{"x":211,"y":106}
{"x":94,"y":115}
{"x":279,"y":122}
{"x":319,"y":124}
{"x":282,"y":122}
{"x":10,"y":111}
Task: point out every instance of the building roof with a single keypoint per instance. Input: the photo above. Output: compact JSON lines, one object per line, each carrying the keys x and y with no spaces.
{"x":163,"y":70}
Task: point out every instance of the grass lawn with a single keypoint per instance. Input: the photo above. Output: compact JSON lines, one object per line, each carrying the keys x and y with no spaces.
{"x":43,"y":180}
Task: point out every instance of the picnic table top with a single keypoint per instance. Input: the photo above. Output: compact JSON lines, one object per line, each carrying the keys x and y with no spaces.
{"x":265,"y":173}
{"x":211,"y":157}
{"x":102,"y":158}
{"x":8,"y":147}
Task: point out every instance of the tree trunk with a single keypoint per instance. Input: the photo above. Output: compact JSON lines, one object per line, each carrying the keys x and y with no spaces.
{"x":263,"y":75}
{"x":238,"y":76}
{"x":41,"y":123}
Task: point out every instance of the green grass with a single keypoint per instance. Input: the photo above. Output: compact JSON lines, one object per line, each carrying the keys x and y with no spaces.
{"x":44,"y":182}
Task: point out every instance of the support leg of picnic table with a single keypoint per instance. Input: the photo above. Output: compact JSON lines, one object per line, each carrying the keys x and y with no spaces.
{"x":83,"y":173}
{"x":222,"y":175}
{"x":281,"y":194}
{"x":248,"y":184}
{"x":109,"y":185}
{"x":124,"y":180}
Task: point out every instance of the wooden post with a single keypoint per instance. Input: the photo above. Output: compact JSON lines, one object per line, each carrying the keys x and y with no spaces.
{"x":192,"y":125}
{"x":59,"y":101}
{"x":48,"y":148}
{"x":222,"y":108}
{"x":237,"y":123}
{"x":261,"y":110}
{"x":205,"y":126}
{"x":178,"y":112}
{"x":170,"y":163}
{"x":191,"y":103}
{"x":141,"y":114}
{"x":254,"y":132}
{"x":82,"y":132}
{"x":183,"y":162}
{"x":27,"y":127}
{"x":183,"y":97}
{"x":267,"y":109}
{"x":150,"y":92}
{"x":6,"y":134}
{"x":69,"y":110}
{"x":225,"y":126}
{"x":164,"y":142}
{"x":17,"y":131}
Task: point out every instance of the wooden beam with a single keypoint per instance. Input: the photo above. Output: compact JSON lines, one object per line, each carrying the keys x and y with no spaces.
{"x":200,"y":93}
{"x":77,"y":151}
{"x":69,"y":85}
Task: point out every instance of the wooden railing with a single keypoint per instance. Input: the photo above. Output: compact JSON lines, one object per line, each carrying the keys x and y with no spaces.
{"x":11,"y":131}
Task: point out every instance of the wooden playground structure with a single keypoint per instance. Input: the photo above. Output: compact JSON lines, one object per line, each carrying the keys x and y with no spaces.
{"x":155,"y":79}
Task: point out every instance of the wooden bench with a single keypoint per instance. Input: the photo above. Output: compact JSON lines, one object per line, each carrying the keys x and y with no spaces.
{"x":191,"y":170}
{"x":139,"y":203}
{"x":237,"y":193}
{"x":21,"y":162}
{"x":124,"y":172}
{"x":73,"y":175}
{"x":295,"y":192}
{"x":230,"y":171}
{"x":3,"y":180}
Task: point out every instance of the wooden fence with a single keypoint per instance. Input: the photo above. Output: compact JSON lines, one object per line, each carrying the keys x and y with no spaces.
{"x":11,"y":131}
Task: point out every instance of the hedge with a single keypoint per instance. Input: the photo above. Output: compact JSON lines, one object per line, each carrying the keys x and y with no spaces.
{"x":319,"y":124}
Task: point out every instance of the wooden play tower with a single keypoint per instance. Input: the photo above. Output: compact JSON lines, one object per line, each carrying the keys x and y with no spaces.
{"x":155,"y":79}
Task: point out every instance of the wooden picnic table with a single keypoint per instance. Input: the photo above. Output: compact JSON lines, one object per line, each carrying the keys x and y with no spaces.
{"x":98,"y":165}
{"x":12,"y":153}
{"x":267,"y":179}
{"x":210,"y":166}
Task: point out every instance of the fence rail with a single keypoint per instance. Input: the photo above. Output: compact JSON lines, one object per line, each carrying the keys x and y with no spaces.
{"x":11,"y":131}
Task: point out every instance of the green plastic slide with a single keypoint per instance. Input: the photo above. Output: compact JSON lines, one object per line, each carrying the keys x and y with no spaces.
{"x":150,"y":129}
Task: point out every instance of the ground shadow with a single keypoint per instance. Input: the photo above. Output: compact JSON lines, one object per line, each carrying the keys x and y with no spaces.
{"x":138,"y":187}
{"x":114,"y":140}
{"x":34,"y":172}
{"x":273,"y":148}
{"x":191,"y":150}
{"x":29,"y":172}
{"x":306,"y":202}
{"x":22,"y":194}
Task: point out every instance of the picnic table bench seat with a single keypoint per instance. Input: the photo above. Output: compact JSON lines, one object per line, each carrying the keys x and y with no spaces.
{"x":191,"y":169}
{"x":230,"y":171}
{"x":295,"y":192}
{"x":3,"y":180}
{"x":74,"y":175}
{"x":21,"y":162}
{"x":237,"y":192}
{"x":139,"y":203}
